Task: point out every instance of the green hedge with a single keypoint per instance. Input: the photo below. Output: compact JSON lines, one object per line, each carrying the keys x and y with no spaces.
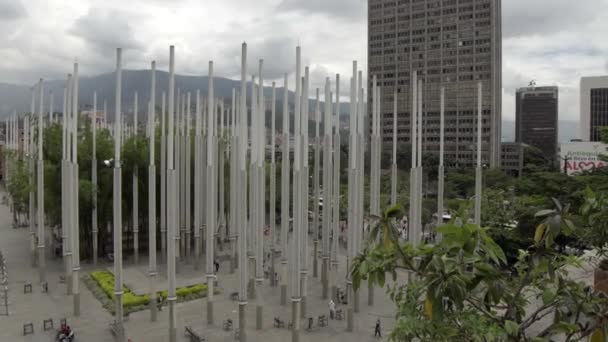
{"x":105,"y":280}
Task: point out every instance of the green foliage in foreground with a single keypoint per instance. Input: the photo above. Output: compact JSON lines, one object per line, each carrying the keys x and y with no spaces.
{"x":105,"y":280}
{"x":460,"y":289}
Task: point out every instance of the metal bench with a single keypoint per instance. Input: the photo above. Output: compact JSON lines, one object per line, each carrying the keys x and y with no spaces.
{"x":339,"y":315}
{"x":192,"y":335}
{"x":28,"y":328}
{"x":278,"y":323}
{"x":27,"y":287}
{"x":322,"y":321}
{"x":234,"y":296}
{"x":47,"y":324}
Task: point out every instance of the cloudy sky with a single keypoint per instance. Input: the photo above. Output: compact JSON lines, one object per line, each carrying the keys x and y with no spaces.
{"x":554,"y":42}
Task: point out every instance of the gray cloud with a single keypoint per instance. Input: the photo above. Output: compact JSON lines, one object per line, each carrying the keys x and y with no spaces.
{"x":11,"y":10}
{"x":350,"y":9}
{"x":106,"y":29}
{"x":542,"y":17}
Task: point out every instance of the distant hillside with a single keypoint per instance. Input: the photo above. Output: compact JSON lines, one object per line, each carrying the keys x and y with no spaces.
{"x":18,"y":97}
{"x":568,"y":130}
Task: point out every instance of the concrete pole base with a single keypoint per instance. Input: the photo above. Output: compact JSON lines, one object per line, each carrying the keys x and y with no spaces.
{"x":69,"y":283}
{"x":163,"y":247}
{"x":120,"y":328}
{"x":209,"y":312}
{"x":153,"y":309}
{"x":42,"y":264}
{"x":242,"y":322}
{"x":76,"y":298}
{"x":350,"y":319}
{"x":325,"y":279}
{"x":136,"y":248}
{"x":370,"y":295}
{"x":259,"y":315}
{"x":172,"y":320}
{"x":95,"y":249}
{"x":315,"y":261}
{"x":210,"y":289}
{"x":283,"y":294}
{"x":303,"y":307}
{"x":295,"y":319}
{"x":187,"y":255}
{"x":251,"y":289}
{"x":334,"y":293}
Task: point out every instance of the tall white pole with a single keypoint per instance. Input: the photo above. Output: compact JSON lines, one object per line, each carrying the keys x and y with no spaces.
{"x":419,"y":171}
{"x":152,"y":193}
{"x":285,"y":193}
{"x":294,"y":265}
{"x":94,"y":222}
{"x":352,"y":156}
{"x":242,"y":139}
{"x":394,"y":159}
{"x":198,"y":202}
{"x":135,"y":184}
{"x":188,"y":176}
{"x":414,"y":163}
{"x":233,"y":182}
{"x":273,"y":185}
{"x":117,"y":193}
{"x":187,"y":172}
{"x":211,"y":195}
{"x":75,"y":181}
{"x":30,"y":159}
{"x":260,"y":197}
{"x":336,"y":193}
{"x":478,"y":170}
{"x":40,"y":191}
{"x":440,"y":169}
{"x":172,"y":219}
{"x":327,"y":189}
{"x":66,"y":224}
{"x":316,"y":193}
{"x":163,"y":179}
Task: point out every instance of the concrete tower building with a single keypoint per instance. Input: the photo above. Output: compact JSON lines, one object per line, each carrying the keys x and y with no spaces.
{"x":452,"y":44}
{"x":536,"y":118}
{"x":594,"y":107}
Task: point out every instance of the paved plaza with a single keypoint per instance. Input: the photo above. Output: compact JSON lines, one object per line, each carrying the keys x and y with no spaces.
{"x":93,"y":324}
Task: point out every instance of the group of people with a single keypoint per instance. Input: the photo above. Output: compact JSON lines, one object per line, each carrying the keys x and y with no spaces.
{"x":65,"y":333}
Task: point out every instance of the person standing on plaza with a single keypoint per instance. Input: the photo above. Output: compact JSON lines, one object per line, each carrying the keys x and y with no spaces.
{"x":332,"y":309}
{"x":377,"y":332}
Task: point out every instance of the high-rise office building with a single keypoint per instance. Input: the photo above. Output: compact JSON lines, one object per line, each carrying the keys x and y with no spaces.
{"x":594,"y":107}
{"x":536,"y":118}
{"x":450,"y":43}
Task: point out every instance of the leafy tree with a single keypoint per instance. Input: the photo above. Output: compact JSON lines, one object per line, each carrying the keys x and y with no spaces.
{"x":459,"y":289}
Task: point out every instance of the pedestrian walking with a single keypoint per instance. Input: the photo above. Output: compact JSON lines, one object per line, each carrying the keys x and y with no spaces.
{"x":332,"y":309}
{"x":217,"y":265}
{"x":377,"y":332}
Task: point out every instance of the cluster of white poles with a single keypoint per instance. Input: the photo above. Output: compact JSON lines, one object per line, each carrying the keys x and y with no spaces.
{"x":245,"y":147}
